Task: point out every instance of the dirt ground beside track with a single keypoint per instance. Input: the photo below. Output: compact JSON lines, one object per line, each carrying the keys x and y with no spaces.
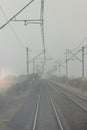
{"x":77,"y":90}
{"x":14,"y":107}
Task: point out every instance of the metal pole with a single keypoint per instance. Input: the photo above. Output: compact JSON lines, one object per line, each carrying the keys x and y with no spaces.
{"x":33,"y":66}
{"x":27,"y":52}
{"x":66,"y":64}
{"x":59,"y":70}
{"x":82,"y":62}
{"x":56,"y":67}
{"x":42,"y":27}
{"x":59,"y":65}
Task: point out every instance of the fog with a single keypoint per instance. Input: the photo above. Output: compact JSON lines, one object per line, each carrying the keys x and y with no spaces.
{"x":65,"y":27}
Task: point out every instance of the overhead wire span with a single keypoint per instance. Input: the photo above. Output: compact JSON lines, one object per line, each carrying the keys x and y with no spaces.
{"x":71,"y":57}
{"x":8,"y":21}
{"x":81,"y":44}
{"x":15,"y":34}
{"x":36,"y":56}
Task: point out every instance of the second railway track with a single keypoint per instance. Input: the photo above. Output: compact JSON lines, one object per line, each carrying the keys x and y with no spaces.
{"x":74,"y":113}
{"x":81,"y":102}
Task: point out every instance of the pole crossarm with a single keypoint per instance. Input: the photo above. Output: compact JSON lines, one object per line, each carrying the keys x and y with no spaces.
{"x":38,"y":21}
{"x":42,"y":59}
{"x":74,"y":55}
{"x":36,"y":56}
{"x":28,"y":21}
{"x":14,"y":17}
{"x":31,"y":21}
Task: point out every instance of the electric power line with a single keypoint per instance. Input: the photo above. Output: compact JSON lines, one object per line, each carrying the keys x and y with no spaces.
{"x":15,"y":34}
{"x":8,"y":21}
{"x":80,"y":44}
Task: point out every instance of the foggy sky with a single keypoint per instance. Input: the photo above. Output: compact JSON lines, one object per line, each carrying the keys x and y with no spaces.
{"x":65,"y":27}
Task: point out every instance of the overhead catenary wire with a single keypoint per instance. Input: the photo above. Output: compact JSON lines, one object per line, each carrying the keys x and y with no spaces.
{"x":76,"y":50}
{"x":36,"y":56}
{"x":12,"y":29}
{"x":80,"y":44}
{"x":74,"y":55}
{"x":68,"y":59}
{"x":8,"y":21}
{"x":16,"y":36}
{"x":34,"y":21}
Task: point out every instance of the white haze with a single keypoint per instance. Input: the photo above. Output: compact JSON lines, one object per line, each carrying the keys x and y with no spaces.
{"x":65,"y":27}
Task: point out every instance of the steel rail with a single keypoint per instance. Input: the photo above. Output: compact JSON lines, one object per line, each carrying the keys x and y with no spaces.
{"x":74,"y":100}
{"x":74,"y":94}
{"x":71,"y":98}
{"x":36,"y":114}
{"x":55,"y":111}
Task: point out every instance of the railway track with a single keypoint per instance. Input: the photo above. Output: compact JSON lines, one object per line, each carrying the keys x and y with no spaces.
{"x":34,"y":122}
{"x":26,"y":117}
{"x":78,"y":121}
{"x":45,"y":95}
{"x":70,"y":91}
{"x":47,"y":109}
{"x":55,"y":112}
{"x":58,"y":113}
{"x":36,"y":114}
{"x":80,"y":101}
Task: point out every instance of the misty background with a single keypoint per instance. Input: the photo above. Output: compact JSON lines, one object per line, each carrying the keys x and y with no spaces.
{"x":65,"y":27}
